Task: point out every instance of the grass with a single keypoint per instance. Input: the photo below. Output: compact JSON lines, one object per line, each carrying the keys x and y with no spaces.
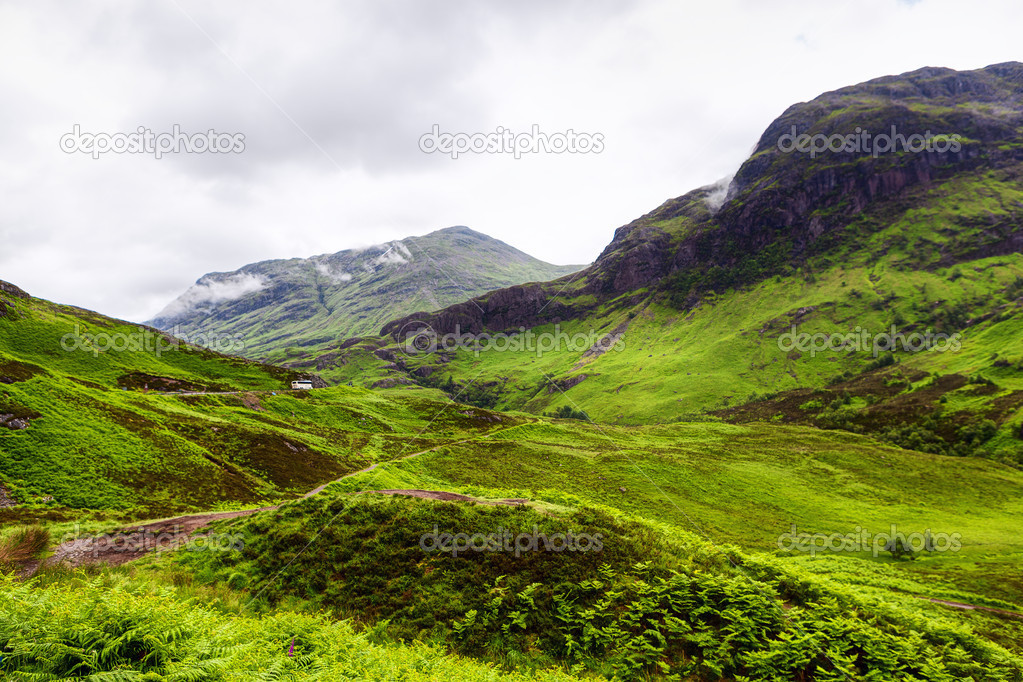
{"x":108,"y":626}
{"x":650,"y":599}
{"x":745,"y":485}
{"x":670,"y":496}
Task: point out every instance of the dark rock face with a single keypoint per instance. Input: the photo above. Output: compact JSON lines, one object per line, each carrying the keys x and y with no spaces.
{"x":9,"y":288}
{"x":6,"y":500}
{"x":635,"y":258}
{"x":316,"y":380}
{"x":790,"y":194}
{"x":502,"y":310}
{"x":392,"y":382}
{"x":565,"y":384}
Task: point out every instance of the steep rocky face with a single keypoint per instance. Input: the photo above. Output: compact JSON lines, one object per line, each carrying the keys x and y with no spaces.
{"x":784,"y":205}
{"x":790,"y":199}
{"x":13,"y":290}
{"x":644,"y":251}
{"x":505,"y":309}
{"x":800,"y":196}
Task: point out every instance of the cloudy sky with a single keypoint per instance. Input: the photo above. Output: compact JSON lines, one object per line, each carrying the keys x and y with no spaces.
{"x":332,"y":99}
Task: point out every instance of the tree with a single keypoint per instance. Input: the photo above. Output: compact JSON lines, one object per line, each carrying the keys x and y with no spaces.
{"x":900,"y":548}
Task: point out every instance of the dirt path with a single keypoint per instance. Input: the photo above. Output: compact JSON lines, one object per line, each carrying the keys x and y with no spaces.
{"x":371,"y":467}
{"x":131,"y":543}
{"x":974,"y":607}
{"x":445,"y":496}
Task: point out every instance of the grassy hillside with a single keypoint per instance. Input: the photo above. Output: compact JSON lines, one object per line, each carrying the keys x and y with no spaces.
{"x":688,"y":580}
{"x":739,"y":489}
{"x":92,"y":427}
{"x":667,"y":591}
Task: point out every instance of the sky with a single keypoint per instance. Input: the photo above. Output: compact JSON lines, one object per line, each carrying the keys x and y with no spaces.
{"x":319,"y":111}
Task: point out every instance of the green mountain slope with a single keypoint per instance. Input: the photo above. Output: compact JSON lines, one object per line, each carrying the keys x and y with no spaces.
{"x":741,"y":466}
{"x":277,"y":308}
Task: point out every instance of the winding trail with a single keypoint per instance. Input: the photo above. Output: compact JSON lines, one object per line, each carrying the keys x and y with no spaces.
{"x":974,"y":607}
{"x":134,"y":542}
{"x":371,"y":467}
{"x":444,"y":496}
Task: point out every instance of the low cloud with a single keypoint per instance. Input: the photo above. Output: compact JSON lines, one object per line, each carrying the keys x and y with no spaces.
{"x":718,"y":193}
{"x":208,"y":291}
{"x":332,"y":129}
{"x":397,"y":254}
{"x":334,"y":275}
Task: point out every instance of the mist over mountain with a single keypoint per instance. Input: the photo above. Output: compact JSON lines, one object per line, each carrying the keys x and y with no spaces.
{"x":278,"y":304}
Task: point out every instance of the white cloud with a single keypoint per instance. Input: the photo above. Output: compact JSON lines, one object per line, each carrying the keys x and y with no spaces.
{"x":208,"y":291}
{"x":396,"y":254}
{"x":718,"y":193}
{"x":326,"y":271}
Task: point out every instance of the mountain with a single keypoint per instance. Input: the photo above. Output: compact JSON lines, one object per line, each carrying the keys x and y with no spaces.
{"x":698,"y":297}
{"x":277,"y":307}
